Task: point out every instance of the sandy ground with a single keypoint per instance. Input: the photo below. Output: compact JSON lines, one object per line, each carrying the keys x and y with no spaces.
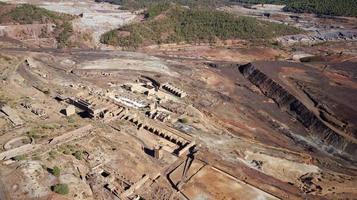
{"x":151,"y":65}
{"x":282,"y":169}
{"x":239,"y":54}
{"x":257,"y":9}
{"x":211,"y":184}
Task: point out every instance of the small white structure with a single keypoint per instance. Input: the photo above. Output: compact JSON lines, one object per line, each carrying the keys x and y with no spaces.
{"x":70,"y":110}
{"x":302,"y":57}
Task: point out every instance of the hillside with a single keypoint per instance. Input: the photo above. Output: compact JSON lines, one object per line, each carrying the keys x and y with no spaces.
{"x":321,"y":7}
{"x":29,"y":14}
{"x":192,"y":26}
{"x":138,"y":4}
{"x":324,"y":7}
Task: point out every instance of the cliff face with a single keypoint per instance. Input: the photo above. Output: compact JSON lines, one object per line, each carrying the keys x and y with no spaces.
{"x":323,"y":136}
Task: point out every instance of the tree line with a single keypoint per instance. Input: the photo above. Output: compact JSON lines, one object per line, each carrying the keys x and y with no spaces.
{"x":322,"y":7}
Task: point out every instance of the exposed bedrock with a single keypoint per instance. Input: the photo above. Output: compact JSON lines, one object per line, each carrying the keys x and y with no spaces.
{"x":323,"y":136}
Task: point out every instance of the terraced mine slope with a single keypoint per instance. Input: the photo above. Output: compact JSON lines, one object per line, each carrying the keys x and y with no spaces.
{"x":333,"y":141}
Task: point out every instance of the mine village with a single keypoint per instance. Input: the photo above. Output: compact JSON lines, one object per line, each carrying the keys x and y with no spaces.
{"x":146,"y":115}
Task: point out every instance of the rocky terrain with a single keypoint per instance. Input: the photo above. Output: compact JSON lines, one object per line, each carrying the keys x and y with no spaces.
{"x":234,"y":118}
{"x":90,"y":21}
{"x":319,"y":37}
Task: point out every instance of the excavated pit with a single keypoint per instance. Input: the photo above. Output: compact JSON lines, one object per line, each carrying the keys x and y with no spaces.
{"x":321,"y":134}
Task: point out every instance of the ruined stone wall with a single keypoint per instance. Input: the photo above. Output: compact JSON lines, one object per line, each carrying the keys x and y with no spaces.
{"x":175,"y":91}
{"x":182,"y":140}
{"x":18,"y":151}
{"x":12,"y":115}
{"x":27,"y":148}
{"x":72,"y":135}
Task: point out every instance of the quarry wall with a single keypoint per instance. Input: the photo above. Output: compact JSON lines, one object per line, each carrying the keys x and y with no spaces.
{"x":322,"y":135}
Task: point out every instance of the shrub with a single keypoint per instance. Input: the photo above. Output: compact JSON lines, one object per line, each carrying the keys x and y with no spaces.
{"x":110,"y":37}
{"x":157,"y":9}
{"x":70,"y":120}
{"x":66,"y":31}
{"x":78,"y":155}
{"x":48,"y":126}
{"x":66,"y":149}
{"x":55,"y":171}
{"x":183,"y":120}
{"x":19,"y":157}
{"x":60,"y":189}
{"x":33,"y":134}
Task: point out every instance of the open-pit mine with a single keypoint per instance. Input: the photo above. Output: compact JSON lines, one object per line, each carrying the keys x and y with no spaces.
{"x":90,"y":110}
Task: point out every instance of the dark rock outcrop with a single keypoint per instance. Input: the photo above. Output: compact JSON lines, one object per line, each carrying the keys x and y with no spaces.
{"x":323,"y":136}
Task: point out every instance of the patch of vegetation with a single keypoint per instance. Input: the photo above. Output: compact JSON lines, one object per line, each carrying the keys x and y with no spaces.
{"x":36,"y":157}
{"x":50,"y":126}
{"x":66,"y":152}
{"x":67,"y":149}
{"x":321,"y":7}
{"x":183,"y":120}
{"x":260,"y":1}
{"x":55,"y":171}
{"x":324,"y":7}
{"x":78,"y":155}
{"x":19,"y":157}
{"x":29,"y":14}
{"x":4,"y":98}
{"x":60,"y":189}
{"x":64,"y":35}
{"x":157,"y":9}
{"x":110,"y":37}
{"x":38,"y":132}
{"x":70,"y":120}
{"x":32,"y":134}
{"x":139,"y":4}
{"x":194,"y":26}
